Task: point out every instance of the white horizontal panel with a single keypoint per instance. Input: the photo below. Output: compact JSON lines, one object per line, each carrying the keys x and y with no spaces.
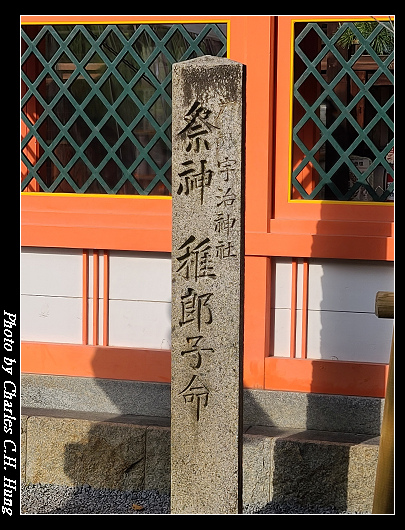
{"x":54,"y":272}
{"x":140,"y":324}
{"x":100,"y":321}
{"x":334,"y":335}
{"x":343,"y":285}
{"x":140,"y":276}
{"x":51,"y":319}
{"x":281,"y":282}
{"x":344,"y":336}
{"x":280,"y":332}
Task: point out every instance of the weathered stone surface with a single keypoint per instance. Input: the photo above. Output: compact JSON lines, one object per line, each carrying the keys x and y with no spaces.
{"x":207,"y":275}
{"x":361,"y":475}
{"x":23,"y":446}
{"x":322,"y":412}
{"x":74,"y":452}
{"x":257,"y":451}
{"x":90,"y":394}
{"x":157,"y":464}
{"x":307,"y":467}
{"x":296,"y":410}
{"x":325,"y":469}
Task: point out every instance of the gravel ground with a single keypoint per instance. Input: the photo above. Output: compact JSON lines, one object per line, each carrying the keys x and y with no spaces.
{"x":58,"y":500}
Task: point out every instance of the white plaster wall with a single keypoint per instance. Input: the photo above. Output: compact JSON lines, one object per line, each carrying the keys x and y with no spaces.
{"x":139,"y":297}
{"x":341,"y":320}
{"x":51,"y":295}
{"x":140,"y":300}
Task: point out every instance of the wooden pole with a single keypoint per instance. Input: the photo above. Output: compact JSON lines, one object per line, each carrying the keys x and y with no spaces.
{"x":384,"y":304}
{"x":384,"y":483}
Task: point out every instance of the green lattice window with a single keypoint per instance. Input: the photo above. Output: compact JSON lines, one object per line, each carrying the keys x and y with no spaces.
{"x":343,"y":111}
{"x":96,"y":104}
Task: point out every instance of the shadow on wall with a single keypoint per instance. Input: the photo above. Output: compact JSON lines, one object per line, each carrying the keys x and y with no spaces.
{"x":118,"y":454}
{"x":334,"y":467}
{"x":128,"y":449}
{"x":325,"y":470}
{"x":347,"y":332}
{"x":304,"y":465}
{"x":107,"y":456}
{"x":323,"y":461}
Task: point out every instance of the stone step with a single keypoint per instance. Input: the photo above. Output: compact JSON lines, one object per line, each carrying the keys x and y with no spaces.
{"x":133,"y":453}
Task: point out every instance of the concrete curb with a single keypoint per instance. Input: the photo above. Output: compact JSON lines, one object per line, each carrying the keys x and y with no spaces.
{"x":297,"y":410}
{"x":133,"y":452}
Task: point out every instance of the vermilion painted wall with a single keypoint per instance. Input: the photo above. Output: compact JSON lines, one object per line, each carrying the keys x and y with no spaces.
{"x":275,"y":227}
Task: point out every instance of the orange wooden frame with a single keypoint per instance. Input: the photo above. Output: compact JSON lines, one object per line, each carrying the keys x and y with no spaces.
{"x":143,"y":223}
{"x":105,"y":362}
{"x":274,"y":227}
{"x":273,"y":224}
{"x":85,"y":298}
{"x":319,"y":376}
{"x":326,"y":377}
{"x":338,"y":220}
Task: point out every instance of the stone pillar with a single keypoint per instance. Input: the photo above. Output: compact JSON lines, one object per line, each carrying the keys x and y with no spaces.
{"x":207,"y":291}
